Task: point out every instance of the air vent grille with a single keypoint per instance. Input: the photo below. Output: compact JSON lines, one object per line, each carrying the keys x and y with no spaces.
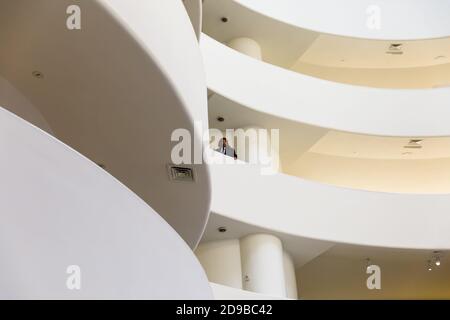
{"x":179,"y":173}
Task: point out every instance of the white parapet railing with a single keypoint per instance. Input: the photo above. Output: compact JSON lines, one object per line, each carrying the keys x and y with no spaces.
{"x":305,"y":99}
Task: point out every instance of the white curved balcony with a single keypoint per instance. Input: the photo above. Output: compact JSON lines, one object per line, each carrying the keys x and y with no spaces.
{"x":404,"y":19}
{"x":64,"y":218}
{"x":401,"y":63}
{"x":114,"y":91}
{"x":322,"y":214}
{"x":286,"y":94}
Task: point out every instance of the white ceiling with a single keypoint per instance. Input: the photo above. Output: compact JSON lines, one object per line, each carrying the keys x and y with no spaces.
{"x":350,"y":145}
{"x":340,"y":273}
{"x":342,"y":52}
{"x":301,"y":249}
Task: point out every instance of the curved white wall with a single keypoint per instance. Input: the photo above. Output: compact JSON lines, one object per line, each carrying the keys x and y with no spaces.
{"x":58,"y":209}
{"x":116,"y":90}
{"x":194,"y":9}
{"x":290,"y":95}
{"x":398,"y":20}
{"x":171,"y":16}
{"x":313,"y":210}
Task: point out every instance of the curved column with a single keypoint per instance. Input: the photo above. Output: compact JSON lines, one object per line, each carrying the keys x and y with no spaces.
{"x":222,"y":262}
{"x":289,"y":276}
{"x":262,"y":264}
{"x":246,"y":46}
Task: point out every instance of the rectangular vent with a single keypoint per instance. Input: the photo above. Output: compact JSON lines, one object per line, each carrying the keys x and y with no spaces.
{"x":412,"y":147}
{"x":179,"y":173}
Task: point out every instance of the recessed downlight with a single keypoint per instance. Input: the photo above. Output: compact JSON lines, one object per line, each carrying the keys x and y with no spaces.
{"x":38,"y":74}
{"x":222,"y":229}
{"x":220,"y":119}
{"x":224,"y":19}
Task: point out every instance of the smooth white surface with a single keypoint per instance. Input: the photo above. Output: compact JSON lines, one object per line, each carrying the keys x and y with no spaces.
{"x":262,"y":265}
{"x":246,"y":46}
{"x":399,"y":20}
{"x":222,"y":261}
{"x":307,"y":209}
{"x":59,"y":209}
{"x":305,"y":99}
{"x":116,"y":90}
{"x":289,"y":276}
{"x":194,"y":9}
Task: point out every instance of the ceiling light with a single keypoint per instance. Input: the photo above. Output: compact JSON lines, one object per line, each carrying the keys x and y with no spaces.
{"x":429,"y":265}
{"x":438,"y":261}
{"x":38,"y":74}
{"x":220,"y":119}
{"x":222,"y":229}
{"x":224,"y":19}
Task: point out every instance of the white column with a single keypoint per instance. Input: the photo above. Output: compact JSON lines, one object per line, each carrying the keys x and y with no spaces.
{"x":262,"y":265}
{"x":222,"y":262}
{"x":289,"y":276}
{"x":246,"y":46}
